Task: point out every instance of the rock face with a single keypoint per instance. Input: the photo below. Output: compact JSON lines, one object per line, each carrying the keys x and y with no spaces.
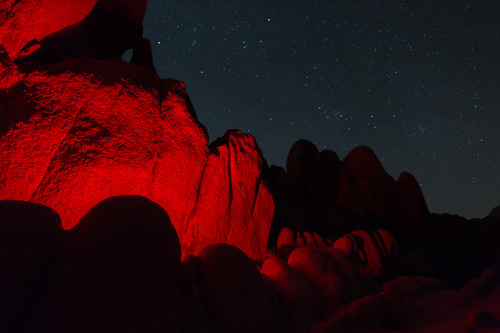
{"x":78,"y":131}
{"x":232,"y":198}
{"x":24,"y":21}
{"x":83,"y":28}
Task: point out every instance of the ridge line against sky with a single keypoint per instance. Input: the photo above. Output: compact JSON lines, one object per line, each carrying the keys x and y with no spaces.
{"x":417,"y":82}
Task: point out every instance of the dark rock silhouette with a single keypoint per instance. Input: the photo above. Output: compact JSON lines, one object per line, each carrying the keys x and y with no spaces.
{"x":120,"y":266}
{"x":316,"y":177}
{"x":233,"y":291}
{"x":482,"y":319}
{"x":196,"y":318}
{"x":116,"y":214}
{"x":29,"y":238}
{"x":495,"y":212}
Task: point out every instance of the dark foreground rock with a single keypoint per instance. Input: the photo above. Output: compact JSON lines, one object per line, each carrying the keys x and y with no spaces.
{"x":120,"y":269}
{"x":120,"y":266}
{"x":30,"y":236}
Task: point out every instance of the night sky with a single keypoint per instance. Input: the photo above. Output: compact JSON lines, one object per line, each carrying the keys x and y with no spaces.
{"x":417,"y":81}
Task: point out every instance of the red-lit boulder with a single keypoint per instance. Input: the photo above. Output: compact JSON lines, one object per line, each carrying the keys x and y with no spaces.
{"x":9,"y":74}
{"x":233,"y":204}
{"x":119,"y":273}
{"x":374,"y":252}
{"x":77,"y":132}
{"x":52,"y":30}
{"x":233,"y":292}
{"x":24,"y":21}
{"x":29,"y":238}
{"x":289,"y":240}
{"x":301,"y":305}
{"x":112,"y":27}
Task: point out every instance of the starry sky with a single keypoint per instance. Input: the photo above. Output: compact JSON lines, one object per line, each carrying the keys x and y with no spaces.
{"x":417,"y":81}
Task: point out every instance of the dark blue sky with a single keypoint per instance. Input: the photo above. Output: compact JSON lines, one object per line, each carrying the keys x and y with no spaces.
{"x":418,"y":82}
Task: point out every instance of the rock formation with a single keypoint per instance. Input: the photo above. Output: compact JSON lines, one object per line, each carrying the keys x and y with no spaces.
{"x":81,"y":130}
{"x":116,"y":214}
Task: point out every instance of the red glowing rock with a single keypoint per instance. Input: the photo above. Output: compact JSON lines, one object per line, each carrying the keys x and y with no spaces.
{"x":84,"y":28}
{"x":77,"y":132}
{"x":9,"y":75}
{"x":233,"y":292}
{"x":71,"y":139}
{"x":119,"y":272}
{"x":24,"y":21}
{"x":233,"y":204}
{"x":288,"y":239}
